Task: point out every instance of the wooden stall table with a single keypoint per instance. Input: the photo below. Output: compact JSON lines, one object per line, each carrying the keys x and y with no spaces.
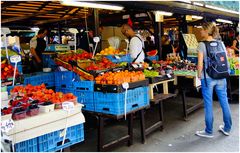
{"x":155,"y":99}
{"x":185,"y":83}
{"x":44,"y":123}
{"x":127,"y":138}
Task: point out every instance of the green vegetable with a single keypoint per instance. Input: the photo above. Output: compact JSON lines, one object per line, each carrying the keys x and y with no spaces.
{"x":149,"y":73}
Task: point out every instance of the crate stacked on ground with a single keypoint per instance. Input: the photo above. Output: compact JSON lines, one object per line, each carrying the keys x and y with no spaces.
{"x":39,"y":78}
{"x":111,"y":98}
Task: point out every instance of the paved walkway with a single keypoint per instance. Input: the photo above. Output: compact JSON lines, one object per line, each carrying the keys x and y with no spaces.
{"x":178,"y":135}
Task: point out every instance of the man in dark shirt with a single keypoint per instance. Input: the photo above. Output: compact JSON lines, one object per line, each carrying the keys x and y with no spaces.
{"x":37,"y":46}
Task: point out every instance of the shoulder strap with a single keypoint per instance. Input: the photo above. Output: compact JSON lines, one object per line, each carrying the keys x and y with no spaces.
{"x":204,"y":67}
{"x":141,"y":50}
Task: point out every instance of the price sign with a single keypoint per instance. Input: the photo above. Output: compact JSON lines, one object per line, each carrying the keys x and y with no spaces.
{"x":117,"y":57}
{"x":125,"y":85}
{"x":149,"y":68}
{"x":68,"y":106}
{"x":96,"y":39}
{"x":15,"y":58}
{"x":135,"y":66}
{"x":7,"y":125}
{"x":169,"y":76}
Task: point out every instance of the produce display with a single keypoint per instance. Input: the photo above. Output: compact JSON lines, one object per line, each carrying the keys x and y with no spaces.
{"x":150,"y":73}
{"x":26,"y":100}
{"x":71,"y":56}
{"x":234,"y":65}
{"x":102,"y":64}
{"x":111,"y":51}
{"x":117,"y":78}
{"x":152,"y":53}
{"x":10,"y":52}
{"x":7,"y":70}
{"x":41,"y":94}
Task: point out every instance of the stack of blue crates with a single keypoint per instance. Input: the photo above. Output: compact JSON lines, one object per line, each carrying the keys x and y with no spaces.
{"x":84,"y":90}
{"x":114,"y":103}
{"x":52,"y":142}
{"x":69,"y":82}
{"x":41,"y":77}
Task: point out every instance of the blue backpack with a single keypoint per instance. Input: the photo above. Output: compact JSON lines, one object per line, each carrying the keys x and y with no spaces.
{"x":217,"y":64}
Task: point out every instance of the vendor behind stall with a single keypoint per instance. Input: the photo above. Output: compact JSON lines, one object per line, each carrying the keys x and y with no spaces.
{"x":136,"y":44}
{"x":235,"y":44}
{"x":167,"y":47}
{"x":37,"y":46}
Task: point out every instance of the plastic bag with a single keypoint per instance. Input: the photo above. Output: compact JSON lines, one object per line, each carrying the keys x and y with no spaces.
{"x":114,"y":42}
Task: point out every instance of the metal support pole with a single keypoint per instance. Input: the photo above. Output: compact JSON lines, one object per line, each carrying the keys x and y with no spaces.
{"x":183,"y":25}
{"x":158,"y":34}
{"x":96,"y":26}
{"x":59,"y":33}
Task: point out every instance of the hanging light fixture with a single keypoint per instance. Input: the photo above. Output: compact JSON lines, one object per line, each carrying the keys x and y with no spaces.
{"x":224,"y":21}
{"x":91,"y":5}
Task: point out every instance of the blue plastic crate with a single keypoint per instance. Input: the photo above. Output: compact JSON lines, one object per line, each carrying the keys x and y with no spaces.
{"x":27,"y":146}
{"x":123,"y":58}
{"x":232,"y":71}
{"x":19,"y":67}
{"x":47,"y":78}
{"x":48,"y":61}
{"x":86,"y":98}
{"x":65,"y":90}
{"x":83,"y":85}
{"x":193,"y":59}
{"x":65,"y":79}
{"x":53,"y":142}
{"x":113,"y":103}
{"x":153,"y":58}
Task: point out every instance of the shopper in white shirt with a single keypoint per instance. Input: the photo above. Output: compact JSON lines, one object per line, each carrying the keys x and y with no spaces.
{"x":136,"y":44}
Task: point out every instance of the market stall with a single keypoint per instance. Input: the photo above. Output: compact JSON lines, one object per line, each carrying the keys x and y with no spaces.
{"x":44,"y":111}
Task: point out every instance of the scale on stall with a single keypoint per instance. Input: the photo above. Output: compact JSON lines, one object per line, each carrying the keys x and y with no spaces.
{"x":191,"y":43}
{"x":57,"y":48}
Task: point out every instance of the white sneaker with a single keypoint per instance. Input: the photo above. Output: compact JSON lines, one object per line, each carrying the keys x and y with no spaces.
{"x":221,"y":129}
{"x":204,"y":134}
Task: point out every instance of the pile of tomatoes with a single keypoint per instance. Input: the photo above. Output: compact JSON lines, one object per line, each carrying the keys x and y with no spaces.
{"x":42,"y":94}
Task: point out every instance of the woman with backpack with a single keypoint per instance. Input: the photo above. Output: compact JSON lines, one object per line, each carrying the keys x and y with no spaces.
{"x":213,"y":69}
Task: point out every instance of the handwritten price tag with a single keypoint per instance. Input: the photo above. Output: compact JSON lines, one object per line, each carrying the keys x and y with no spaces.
{"x":15,"y":58}
{"x":7,"y":125}
{"x":68,"y":106}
